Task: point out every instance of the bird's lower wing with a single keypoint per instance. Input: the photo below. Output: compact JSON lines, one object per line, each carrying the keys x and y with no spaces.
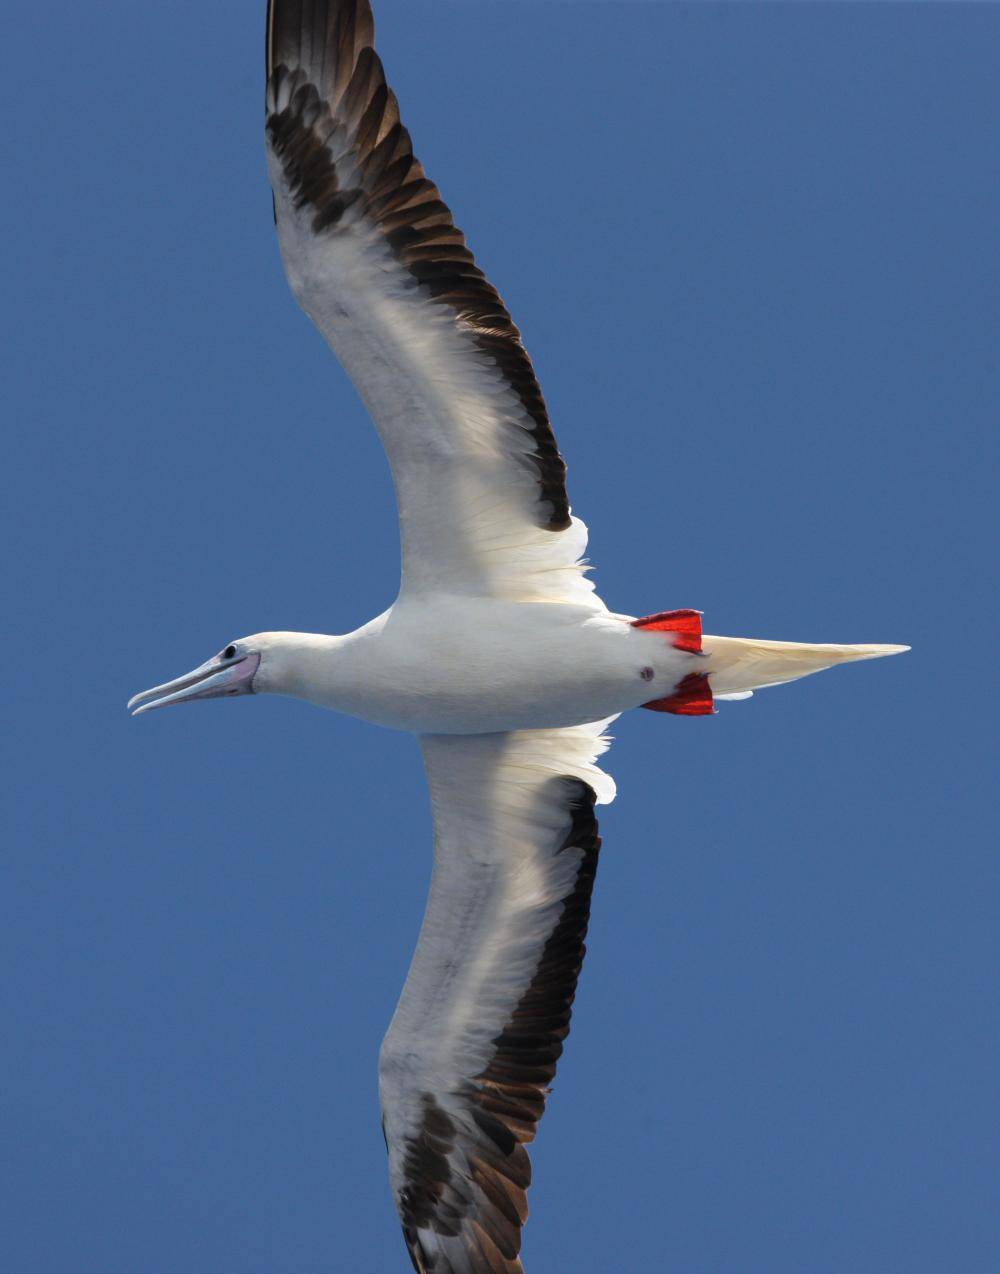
{"x":374,"y":257}
{"x":467,"y":1063}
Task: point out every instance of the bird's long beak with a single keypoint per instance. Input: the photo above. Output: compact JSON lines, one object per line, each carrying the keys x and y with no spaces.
{"x":212,"y":680}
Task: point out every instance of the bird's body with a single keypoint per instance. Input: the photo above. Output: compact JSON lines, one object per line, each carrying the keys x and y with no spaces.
{"x":475,"y":665}
{"x":498,"y":652}
{"x":450,"y":664}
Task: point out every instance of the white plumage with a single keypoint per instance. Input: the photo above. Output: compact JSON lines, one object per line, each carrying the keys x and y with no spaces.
{"x":498,"y":651}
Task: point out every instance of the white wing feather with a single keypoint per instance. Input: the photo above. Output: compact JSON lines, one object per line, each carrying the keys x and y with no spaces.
{"x":374,"y":258}
{"x":471,"y":1050}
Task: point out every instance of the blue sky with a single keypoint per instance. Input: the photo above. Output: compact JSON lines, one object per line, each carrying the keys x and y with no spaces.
{"x":753,"y":252}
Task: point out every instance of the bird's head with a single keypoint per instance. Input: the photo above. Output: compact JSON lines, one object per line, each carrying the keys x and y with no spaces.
{"x":233,"y":671}
{"x":277,"y":663}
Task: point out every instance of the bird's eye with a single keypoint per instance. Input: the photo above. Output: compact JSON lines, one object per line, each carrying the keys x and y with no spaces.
{"x":229,"y":652}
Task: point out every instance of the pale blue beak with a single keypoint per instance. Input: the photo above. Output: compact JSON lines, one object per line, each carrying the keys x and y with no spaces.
{"x":217,"y":678}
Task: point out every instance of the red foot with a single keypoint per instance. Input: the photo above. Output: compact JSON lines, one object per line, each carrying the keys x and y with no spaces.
{"x":685,"y":623}
{"x":691,"y":698}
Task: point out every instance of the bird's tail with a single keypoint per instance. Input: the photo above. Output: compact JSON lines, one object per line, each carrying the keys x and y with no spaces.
{"x":737,"y":666}
{"x":734,"y":667}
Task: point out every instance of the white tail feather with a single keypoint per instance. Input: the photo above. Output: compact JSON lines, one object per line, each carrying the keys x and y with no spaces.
{"x":740,"y":665}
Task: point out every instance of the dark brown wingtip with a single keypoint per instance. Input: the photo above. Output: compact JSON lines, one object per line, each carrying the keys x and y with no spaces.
{"x":317,"y":35}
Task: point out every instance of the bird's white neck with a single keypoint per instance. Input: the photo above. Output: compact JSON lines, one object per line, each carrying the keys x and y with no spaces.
{"x":304,"y":665}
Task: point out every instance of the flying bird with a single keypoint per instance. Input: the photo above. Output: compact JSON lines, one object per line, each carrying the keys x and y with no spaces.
{"x":498,"y":653}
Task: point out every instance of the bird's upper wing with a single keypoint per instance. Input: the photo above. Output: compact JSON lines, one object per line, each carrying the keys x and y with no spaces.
{"x":467,"y":1063}
{"x":374,"y":258}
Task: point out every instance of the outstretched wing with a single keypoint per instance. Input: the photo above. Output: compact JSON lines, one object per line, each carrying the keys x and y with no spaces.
{"x":467,"y":1063}
{"x":373,"y":256}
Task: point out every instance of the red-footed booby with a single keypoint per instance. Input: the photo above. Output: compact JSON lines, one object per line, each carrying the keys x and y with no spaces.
{"x":498,"y":652}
